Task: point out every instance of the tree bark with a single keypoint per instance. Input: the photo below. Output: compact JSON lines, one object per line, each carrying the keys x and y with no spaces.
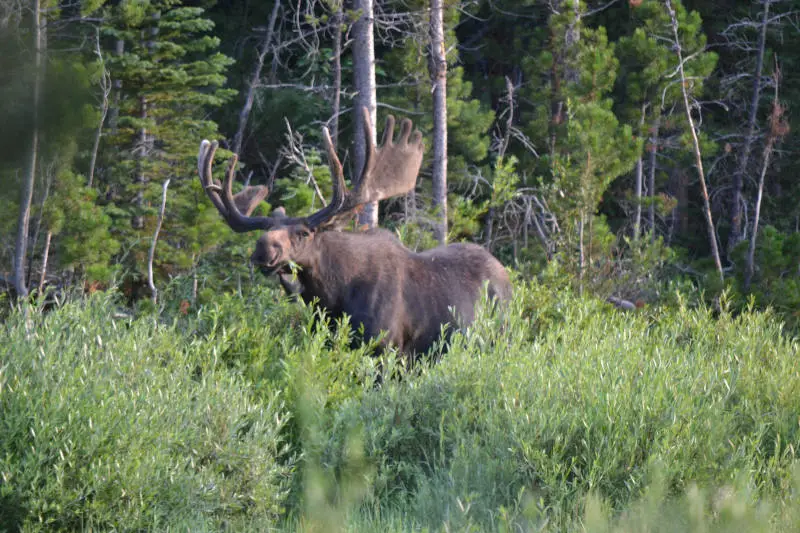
{"x":637,"y":217}
{"x":651,"y":178}
{"x":116,"y":85}
{"x":20,"y":251}
{"x":37,"y":231}
{"x":152,"y":254}
{"x":712,"y":234}
{"x":45,"y":257}
{"x":738,"y":177}
{"x":105,"y":86}
{"x":145,"y":138}
{"x":364,"y":74}
{"x":438,"y":67}
{"x":778,"y":128}
{"x":244,"y":114}
{"x":141,"y":179}
{"x":337,"y":72}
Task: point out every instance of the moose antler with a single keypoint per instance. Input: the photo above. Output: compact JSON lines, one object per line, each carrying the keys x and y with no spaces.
{"x":389,"y":170}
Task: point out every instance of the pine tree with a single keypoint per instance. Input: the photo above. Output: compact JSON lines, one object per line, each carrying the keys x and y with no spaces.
{"x":651,"y":95}
{"x":171,"y":75}
{"x":584,"y":145}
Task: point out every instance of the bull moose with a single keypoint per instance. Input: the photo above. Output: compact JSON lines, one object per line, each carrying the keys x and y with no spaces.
{"x":370,"y":276}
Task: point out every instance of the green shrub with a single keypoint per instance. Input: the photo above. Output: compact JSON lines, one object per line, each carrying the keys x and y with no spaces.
{"x":114,"y":423}
{"x":250,"y":412}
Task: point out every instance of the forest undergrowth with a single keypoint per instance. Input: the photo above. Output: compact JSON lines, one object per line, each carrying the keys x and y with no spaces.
{"x":250,"y":413}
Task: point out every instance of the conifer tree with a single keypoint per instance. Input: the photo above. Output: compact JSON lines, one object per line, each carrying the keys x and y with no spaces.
{"x":585,"y":147}
{"x":648,"y":64}
{"x":171,"y":74}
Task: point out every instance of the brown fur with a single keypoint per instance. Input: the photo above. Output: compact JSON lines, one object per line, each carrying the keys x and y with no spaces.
{"x":382,"y":285}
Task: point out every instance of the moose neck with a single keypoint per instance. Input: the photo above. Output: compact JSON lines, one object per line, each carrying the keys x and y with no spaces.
{"x":325,"y":265}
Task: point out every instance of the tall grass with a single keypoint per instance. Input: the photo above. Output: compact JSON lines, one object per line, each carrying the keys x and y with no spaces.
{"x":127,"y":424}
{"x":558,"y":414}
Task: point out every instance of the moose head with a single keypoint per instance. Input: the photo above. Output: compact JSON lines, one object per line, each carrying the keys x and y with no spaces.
{"x":390,"y":170}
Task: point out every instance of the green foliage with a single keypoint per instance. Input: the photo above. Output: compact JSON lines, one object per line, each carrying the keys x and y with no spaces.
{"x":777,"y":273}
{"x":559,"y":414}
{"x":82,"y":228}
{"x":108,"y":422}
{"x":171,"y":73}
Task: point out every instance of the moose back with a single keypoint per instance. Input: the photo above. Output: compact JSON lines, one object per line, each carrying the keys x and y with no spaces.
{"x":370,"y":276}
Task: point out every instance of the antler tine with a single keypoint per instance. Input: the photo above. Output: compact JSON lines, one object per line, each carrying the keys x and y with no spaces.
{"x":392,"y":168}
{"x":340,"y":192}
{"x":204,"y":161}
{"x":226,"y":203}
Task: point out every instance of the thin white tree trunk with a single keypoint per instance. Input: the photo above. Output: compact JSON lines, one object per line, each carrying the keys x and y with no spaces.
{"x":651,"y":178}
{"x":438,"y":67}
{"x":741,"y":169}
{"x":152,"y":254}
{"x":244,"y":114}
{"x":712,"y":234}
{"x":776,"y":130}
{"x":105,"y":86}
{"x":364,"y":74}
{"x":337,"y":72}
{"x":45,"y":257}
{"x":637,"y":217}
{"x":26,"y":198}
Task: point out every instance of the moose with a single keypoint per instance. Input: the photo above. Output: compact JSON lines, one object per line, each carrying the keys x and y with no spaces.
{"x":370,"y":276}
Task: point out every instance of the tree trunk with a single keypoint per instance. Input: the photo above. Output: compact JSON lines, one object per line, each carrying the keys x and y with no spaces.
{"x":712,"y":234}
{"x":116,"y":85}
{"x":45,"y":257}
{"x":37,"y":231}
{"x":141,"y":179}
{"x":152,"y":254}
{"x":20,"y":251}
{"x":244,"y":114}
{"x":637,"y":217}
{"x":738,"y":177}
{"x":364,"y":74}
{"x":651,"y":178}
{"x":438,"y":67}
{"x":105,"y":86}
{"x":337,"y":72}
{"x":778,"y":128}
{"x":144,"y":138}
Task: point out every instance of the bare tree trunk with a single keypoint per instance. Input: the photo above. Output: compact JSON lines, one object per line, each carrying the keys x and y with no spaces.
{"x":20,"y":251}
{"x":152,"y":254}
{"x":364,"y":74}
{"x":738,"y":177}
{"x":144,"y":138}
{"x":438,"y":67}
{"x":637,"y":217}
{"x":651,"y":178}
{"x":105,"y":86}
{"x":337,"y":71}
{"x":45,"y":257}
{"x":39,"y":221}
{"x":116,"y":85}
{"x":244,"y":114}
{"x":712,"y":234}
{"x":778,"y":128}
{"x":140,"y":180}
